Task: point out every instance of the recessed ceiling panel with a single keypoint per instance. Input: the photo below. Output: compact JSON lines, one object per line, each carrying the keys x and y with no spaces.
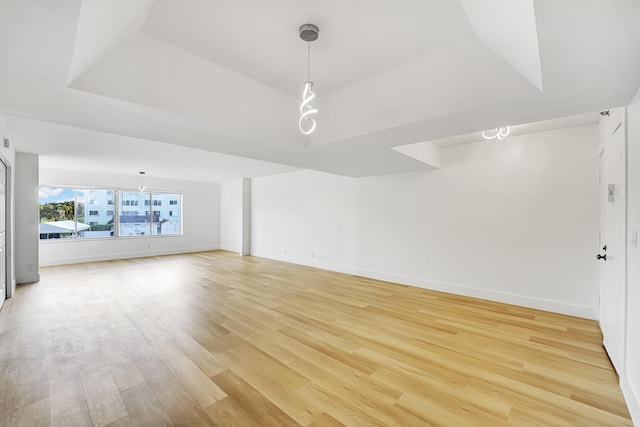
{"x":464,"y":77}
{"x":102,"y":27}
{"x":153,"y":73}
{"x":226,"y":75}
{"x":509,"y":28}
{"x":357,"y":38}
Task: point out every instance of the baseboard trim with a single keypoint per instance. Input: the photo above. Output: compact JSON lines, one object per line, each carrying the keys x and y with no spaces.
{"x":454,"y":288}
{"x":632,"y":398}
{"x":125,"y":255}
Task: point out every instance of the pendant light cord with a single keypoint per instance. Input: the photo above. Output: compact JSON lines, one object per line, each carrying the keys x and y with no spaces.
{"x":306,"y":122}
{"x":308,"y":61}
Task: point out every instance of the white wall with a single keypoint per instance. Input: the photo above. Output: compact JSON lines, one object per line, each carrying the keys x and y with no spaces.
{"x":8,"y":155}
{"x":512,"y":221}
{"x":201,"y":220}
{"x":231,"y":216}
{"x":27,"y":218}
{"x":630,"y":381}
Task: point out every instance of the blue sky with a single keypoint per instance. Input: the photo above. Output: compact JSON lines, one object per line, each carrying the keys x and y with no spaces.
{"x":53,"y":194}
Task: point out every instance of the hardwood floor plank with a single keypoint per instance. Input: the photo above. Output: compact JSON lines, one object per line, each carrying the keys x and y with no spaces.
{"x":68,"y":402}
{"x":347,"y":413}
{"x":258,"y":406}
{"x":326,"y":420}
{"x":229,"y":412}
{"x":34,"y":414}
{"x":204,"y":390}
{"x":177,"y":401}
{"x":144,"y":408}
{"x":272,"y":379}
{"x":215,"y":339}
{"x":103,"y":399}
{"x":10,"y":339}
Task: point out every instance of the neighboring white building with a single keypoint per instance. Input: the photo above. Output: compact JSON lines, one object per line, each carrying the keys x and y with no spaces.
{"x":136,"y":208}
{"x":98,"y":207}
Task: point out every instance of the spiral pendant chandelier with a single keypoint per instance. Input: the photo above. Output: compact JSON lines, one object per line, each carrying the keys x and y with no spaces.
{"x":142,"y":187}
{"x":307,"y":122}
{"x":500,"y":133}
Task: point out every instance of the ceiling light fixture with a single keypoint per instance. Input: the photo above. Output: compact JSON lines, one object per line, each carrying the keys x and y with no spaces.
{"x":500,"y":133}
{"x":142,"y":187}
{"x":307,"y":124}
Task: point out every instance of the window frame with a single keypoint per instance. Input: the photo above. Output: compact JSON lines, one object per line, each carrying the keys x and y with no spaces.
{"x":116,"y":212}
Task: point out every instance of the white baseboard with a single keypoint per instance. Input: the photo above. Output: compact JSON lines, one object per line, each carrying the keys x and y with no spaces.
{"x":124,"y":255}
{"x":632,"y":397}
{"x":454,"y":288}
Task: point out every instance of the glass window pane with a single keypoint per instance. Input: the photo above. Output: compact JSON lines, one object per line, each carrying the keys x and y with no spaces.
{"x":134,"y":213}
{"x":166,"y":214}
{"x":90,"y":213}
{"x":95,"y":213}
{"x":57,"y":213}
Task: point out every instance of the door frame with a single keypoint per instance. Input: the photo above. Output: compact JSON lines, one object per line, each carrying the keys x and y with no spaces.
{"x":617,"y":122}
{"x":8,"y":227}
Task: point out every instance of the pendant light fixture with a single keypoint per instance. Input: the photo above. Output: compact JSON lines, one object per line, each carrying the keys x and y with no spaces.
{"x":500,"y":133}
{"x":142,"y":187}
{"x":306,"y":123}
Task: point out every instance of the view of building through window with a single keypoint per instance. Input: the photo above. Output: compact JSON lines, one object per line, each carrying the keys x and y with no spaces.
{"x":93,"y":213}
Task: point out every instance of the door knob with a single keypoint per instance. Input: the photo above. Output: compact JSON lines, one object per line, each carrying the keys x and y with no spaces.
{"x":604,"y":257}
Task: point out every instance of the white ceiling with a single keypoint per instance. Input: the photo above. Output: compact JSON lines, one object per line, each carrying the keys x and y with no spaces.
{"x":204,"y":77}
{"x":67,"y":147}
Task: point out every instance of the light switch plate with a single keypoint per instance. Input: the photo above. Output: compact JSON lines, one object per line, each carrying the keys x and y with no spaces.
{"x":611,"y":191}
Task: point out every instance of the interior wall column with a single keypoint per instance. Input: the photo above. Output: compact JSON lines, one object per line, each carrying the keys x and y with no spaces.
{"x":27,"y":218}
{"x":245,"y":244}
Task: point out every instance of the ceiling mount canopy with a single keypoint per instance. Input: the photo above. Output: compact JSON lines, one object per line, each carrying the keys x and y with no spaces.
{"x":309,"y":32}
{"x":306,"y":123}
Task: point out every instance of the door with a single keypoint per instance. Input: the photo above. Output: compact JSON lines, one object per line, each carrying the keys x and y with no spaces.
{"x":3,"y":239}
{"x":612,"y":310}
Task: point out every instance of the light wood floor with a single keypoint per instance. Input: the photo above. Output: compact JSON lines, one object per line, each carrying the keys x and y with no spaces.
{"x":216,"y":339}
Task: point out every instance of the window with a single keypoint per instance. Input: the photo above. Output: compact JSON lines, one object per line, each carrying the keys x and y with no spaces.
{"x":168,"y":221}
{"x":64,"y":213}
{"x":134,"y":222}
{"x":57,"y":213}
{"x":100,"y":223}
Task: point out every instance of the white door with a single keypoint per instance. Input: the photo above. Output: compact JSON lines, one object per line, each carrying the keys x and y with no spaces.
{"x":3,"y":239}
{"x":612,"y":239}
